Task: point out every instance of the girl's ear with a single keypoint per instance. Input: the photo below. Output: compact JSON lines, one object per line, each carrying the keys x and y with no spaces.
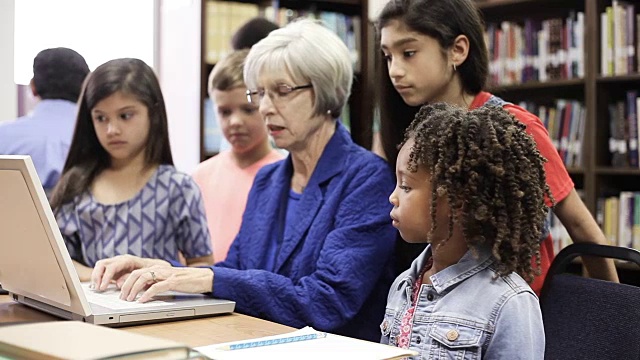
{"x":459,"y":50}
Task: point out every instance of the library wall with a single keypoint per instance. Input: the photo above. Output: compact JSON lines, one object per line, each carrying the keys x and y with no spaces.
{"x":8,"y":94}
{"x":179,"y":72}
{"x":575,"y":65}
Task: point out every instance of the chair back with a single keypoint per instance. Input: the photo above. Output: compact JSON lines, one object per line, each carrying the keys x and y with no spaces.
{"x":588,"y":318}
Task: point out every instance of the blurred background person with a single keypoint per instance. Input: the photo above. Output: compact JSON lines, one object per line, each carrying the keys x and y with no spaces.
{"x":226,"y":178}
{"x":45,"y":133}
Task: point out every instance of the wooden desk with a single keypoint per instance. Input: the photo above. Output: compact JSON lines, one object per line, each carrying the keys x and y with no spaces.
{"x":195,"y":332}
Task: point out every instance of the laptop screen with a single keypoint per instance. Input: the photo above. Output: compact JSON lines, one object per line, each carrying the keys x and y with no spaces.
{"x":34,"y":261}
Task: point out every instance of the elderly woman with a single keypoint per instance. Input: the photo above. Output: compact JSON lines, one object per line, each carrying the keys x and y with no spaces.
{"x":315,"y":246}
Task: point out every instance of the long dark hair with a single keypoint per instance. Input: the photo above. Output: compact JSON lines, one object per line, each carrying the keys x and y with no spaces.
{"x":443,"y":20}
{"x":87,"y":158}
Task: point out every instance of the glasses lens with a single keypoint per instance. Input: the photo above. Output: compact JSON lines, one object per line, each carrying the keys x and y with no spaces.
{"x":283,"y":89}
{"x":253,"y":97}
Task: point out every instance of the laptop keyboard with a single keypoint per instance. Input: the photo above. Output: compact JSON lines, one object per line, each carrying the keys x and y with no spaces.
{"x":110,"y":299}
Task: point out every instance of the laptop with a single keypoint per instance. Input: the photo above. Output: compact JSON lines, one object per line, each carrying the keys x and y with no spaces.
{"x":37,"y":271}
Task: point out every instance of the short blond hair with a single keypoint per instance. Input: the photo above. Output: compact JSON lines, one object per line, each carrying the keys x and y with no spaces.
{"x":227,"y":73}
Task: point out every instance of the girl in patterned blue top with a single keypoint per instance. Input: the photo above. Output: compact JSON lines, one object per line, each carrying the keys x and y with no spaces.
{"x":119,"y":192}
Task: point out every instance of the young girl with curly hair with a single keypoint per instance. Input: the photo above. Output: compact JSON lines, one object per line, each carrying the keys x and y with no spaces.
{"x":472,"y":185}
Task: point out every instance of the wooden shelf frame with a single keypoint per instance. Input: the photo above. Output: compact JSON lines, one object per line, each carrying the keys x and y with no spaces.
{"x":617,"y":79}
{"x":537,"y":85}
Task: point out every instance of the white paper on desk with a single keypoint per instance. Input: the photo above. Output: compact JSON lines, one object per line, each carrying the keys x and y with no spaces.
{"x":334,"y":347}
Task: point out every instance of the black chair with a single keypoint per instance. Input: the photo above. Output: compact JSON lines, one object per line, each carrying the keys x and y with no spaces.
{"x":588,"y":318}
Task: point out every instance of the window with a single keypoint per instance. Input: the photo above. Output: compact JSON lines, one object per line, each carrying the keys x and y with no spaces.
{"x":100,"y":30}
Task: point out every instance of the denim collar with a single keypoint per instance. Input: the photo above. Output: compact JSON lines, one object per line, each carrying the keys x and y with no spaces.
{"x":470,"y":264}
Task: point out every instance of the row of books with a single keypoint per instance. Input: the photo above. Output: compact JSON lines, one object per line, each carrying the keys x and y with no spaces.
{"x":624,"y":131}
{"x":565,"y":122}
{"x":222,"y":19}
{"x":619,"y":37}
{"x":619,"y":218}
{"x":540,"y":51}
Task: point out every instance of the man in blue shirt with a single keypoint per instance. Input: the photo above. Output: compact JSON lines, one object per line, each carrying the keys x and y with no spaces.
{"x":45,"y":134}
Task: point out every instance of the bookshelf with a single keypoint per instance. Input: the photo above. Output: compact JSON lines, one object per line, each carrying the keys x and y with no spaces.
{"x":601,"y":82}
{"x":280,"y":11}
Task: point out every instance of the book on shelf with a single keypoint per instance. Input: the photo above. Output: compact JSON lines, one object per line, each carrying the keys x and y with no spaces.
{"x":305,"y":343}
{"x":565,"y":122}
{"x":632,"y":127}
{"x":345,"y":117}
{"x":619,"y":218}
{"x":637,"y":42}
{"x":624,"y":132}
{"x":619,"y":135}
{"x":611,"y":216}
{"x":630,"y":33}
{"x":625,"y":220}
{"x":78,"y":340}
{"x":619,"y":39}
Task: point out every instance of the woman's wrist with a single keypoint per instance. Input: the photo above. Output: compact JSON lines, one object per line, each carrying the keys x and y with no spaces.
{"x":207,"y":279}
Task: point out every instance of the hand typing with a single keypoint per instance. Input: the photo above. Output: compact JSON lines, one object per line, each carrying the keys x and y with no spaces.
{"x":118,"y":269}
{"x":157,"y":279}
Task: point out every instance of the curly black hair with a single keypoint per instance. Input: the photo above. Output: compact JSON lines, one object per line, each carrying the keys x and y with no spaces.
{"x":492,"y":175}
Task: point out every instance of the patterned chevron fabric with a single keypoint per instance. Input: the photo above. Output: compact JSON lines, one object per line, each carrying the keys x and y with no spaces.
{"x":166,"y":217}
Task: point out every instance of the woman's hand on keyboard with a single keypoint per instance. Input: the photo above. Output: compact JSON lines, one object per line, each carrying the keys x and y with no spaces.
{"x":158,"y":279}
{"x":118,"y":268}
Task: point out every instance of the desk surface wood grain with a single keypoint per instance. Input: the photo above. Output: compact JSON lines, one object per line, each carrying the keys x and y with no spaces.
{"x":195,"y":332}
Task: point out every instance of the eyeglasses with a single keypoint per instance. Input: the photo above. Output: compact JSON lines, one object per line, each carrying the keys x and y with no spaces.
{"x":279,"y":92}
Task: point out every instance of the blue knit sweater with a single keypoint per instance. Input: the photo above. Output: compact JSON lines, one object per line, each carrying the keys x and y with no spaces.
{"x":334,"y":268}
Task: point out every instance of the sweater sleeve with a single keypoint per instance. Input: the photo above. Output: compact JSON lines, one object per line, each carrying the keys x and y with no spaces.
{"x":352,"y":259}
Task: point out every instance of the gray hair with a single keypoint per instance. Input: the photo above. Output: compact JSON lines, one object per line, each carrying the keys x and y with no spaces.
{"x":308,"y":52}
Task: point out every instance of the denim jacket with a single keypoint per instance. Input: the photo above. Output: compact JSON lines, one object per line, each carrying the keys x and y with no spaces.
{"x":467,"y":312}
